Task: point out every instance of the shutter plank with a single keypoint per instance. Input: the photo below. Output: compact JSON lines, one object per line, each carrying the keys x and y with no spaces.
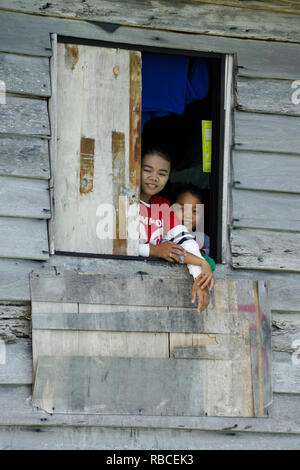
{"x":93,"y":103}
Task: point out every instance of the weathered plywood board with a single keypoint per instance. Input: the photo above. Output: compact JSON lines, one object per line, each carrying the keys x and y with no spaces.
{"x":23,"y":197}
{"x":25,"y":116}
{"x":85,"y":385}
{"x":98,"y":343}
{"x":24,"y":156}
{"x":266,"y":96}
{"x":265,"y":249}
{"x":266,"y":170}
{"x":25,"y":75}
{"x":23,"y":238}
{"x":93,"y":104}
{"x":234,"y":18}
{"x":267,"y":132}
{"x":266,"y":210}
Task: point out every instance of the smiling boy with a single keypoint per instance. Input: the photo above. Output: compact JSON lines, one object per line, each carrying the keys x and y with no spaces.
{"x":158,"y":222}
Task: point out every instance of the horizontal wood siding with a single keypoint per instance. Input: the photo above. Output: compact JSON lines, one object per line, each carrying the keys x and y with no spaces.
{"x":23,"y":197}
{"x":27,"y":157}
{"x":26,"y":75}
{"x":246,"y":18}
{"x":265,"y":158}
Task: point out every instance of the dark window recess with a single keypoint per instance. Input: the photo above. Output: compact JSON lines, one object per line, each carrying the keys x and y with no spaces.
{"x":180,"y":135}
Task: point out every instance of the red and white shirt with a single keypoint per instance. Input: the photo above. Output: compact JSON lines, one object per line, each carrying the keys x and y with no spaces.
{"x":157,"y":223}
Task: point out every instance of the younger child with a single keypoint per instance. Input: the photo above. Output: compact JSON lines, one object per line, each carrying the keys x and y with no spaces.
{"x":188,"y":206}
{"x":158,"y":222}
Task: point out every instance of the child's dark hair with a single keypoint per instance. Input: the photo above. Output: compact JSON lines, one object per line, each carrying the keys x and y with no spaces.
{"x":160,"y":153}
{"x":181,"y":188}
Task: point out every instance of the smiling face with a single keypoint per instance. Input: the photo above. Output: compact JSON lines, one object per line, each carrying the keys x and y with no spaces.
{"x":155,"y":174}
{"x":190,"y":215}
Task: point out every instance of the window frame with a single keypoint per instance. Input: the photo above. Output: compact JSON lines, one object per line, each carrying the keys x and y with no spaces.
{"x":221,"y":142}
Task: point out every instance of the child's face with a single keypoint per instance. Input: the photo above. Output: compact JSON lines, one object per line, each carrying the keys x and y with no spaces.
{"x":192,"y":215}
{"x":155,"y":174}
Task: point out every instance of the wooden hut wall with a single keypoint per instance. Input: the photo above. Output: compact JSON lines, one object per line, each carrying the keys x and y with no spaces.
{"x":265,"y":197}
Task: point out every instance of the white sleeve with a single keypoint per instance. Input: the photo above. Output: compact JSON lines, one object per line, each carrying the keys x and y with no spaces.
{"x":144,"y":249}
{"x":180,"y":235}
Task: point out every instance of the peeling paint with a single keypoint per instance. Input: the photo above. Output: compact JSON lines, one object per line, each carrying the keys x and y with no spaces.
{"x":71,"y":55}
{"x":87,"y":157}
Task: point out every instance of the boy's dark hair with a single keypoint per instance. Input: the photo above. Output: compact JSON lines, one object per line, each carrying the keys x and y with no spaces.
{"x":181,"y":188}
{"x":160,"y":153}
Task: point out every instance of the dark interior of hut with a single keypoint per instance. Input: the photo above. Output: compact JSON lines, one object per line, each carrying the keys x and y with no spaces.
{"x":172,"y":122}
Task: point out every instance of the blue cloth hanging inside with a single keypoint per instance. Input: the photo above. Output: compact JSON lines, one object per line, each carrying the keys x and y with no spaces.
{"x":166,"y":88}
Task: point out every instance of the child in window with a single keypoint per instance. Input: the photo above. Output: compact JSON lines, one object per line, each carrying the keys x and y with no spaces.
{"x":189,"y":194}
{"x":158,"y":222}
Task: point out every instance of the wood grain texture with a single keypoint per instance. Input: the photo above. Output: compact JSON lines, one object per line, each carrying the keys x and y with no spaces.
{"x":100,"y":113}
{"x":234,"y":18}
{"x":266,"y":210}
{"x":124,"y":438}
{"x":24,"y":197}
{"x":17,"y":410}
{"x":266,"y":170}
{"x":137,"y":385}
{"x":266,"y":96}
{"x":265,"y":249}
{"x":266,"y":59}
{"x":24,"y":156}
{"x":25,"y":75}
{"x":23,"y":238}
{"x":267,"y":132}
{"x":17,"y":368}
{"x":24,"y":116}
{"x":14,"y":274}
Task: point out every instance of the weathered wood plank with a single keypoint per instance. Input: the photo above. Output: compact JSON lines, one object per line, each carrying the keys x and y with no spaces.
{"x":220,"y":347}
{"x":266,"y":96}
{"x":17,"y":410}
{"x":24,"y":156}
{"x":24,"y":116}
{"x":130,"y":318}
{"x":286,"y":372}
{"x":266,"y":210}
{"x":98,"y":343}
{"x":267,"y":132}
{"x":104,"y":150}
{"x":265,"y":170}
{"x":235,"y":19}
{"x":14,"y":322}
{"x":137,"y":385}
{"x":17,"y":365}
{"x":25,"y":75}
{"x":23,"y":238}
{"x":285,"y":295}
{"x":134,"y":438}
{"x":266,"y":59}
{"x":14,"y":275}
{"x":22,"y":197}
{"x":265,"y":249}
{"x":84,"y":288}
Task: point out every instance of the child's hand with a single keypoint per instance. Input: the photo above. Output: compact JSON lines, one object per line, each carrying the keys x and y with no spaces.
{"x":203,"y":296}
{"x":206,"y":278}
{"x":168,"y":251}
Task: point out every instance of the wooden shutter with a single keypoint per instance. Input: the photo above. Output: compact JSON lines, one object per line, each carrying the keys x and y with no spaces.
{"x":98,"y":146}
{"x":140,"y":335}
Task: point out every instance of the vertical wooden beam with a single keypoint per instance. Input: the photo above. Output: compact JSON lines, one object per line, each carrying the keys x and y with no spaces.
{"x":135,"y":120}
{"x":53,"y":141}
{"x":118,"y":187}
